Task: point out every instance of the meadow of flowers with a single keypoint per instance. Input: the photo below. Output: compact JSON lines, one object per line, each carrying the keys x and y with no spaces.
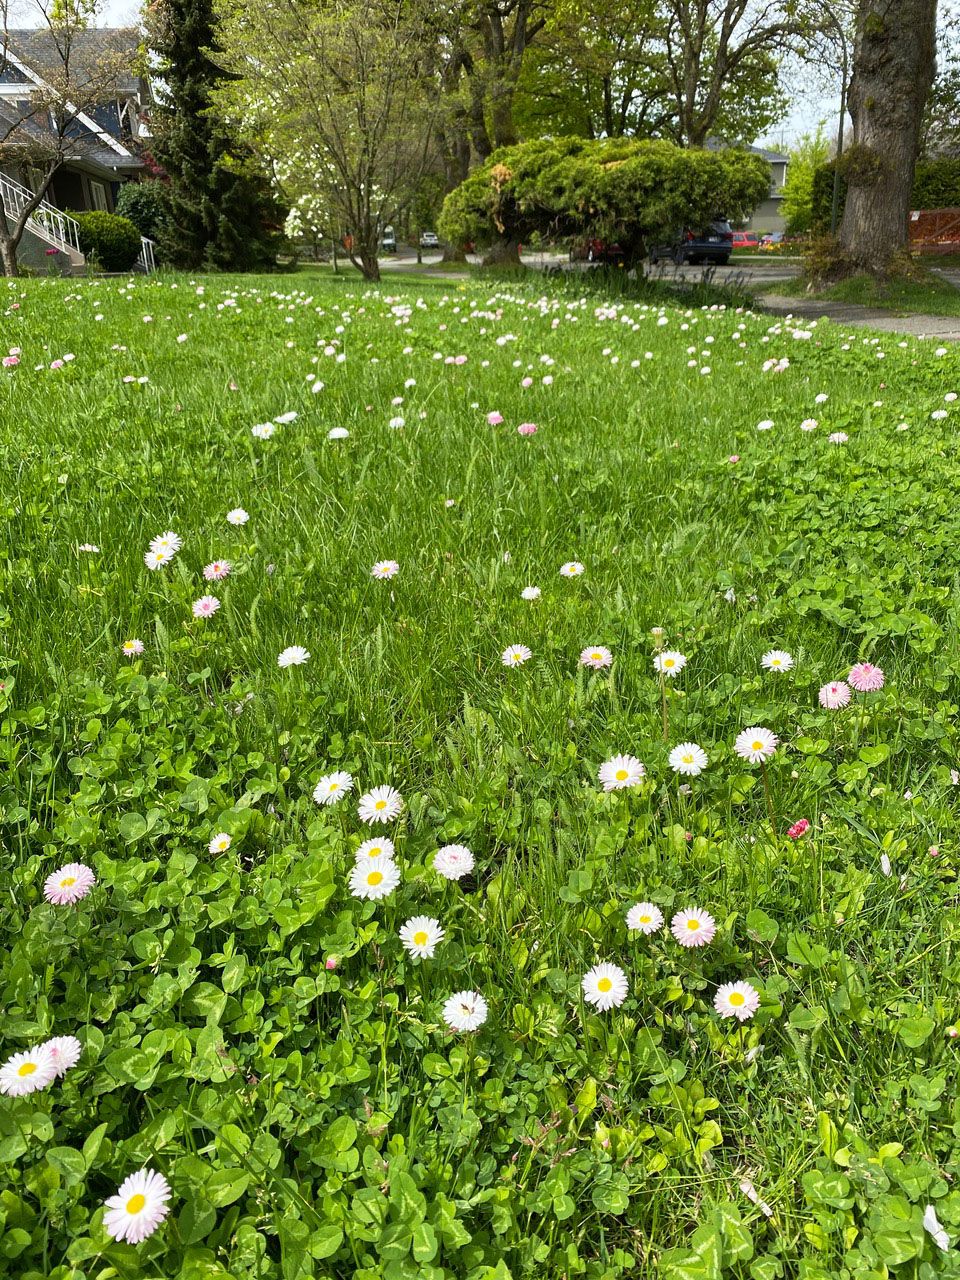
{"x":479,"y":787}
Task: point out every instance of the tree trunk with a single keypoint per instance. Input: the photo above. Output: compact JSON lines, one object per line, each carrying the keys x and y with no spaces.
{"x":503,"y":253}
{"x":893,"y":67}
{"x":367,"y":264}
{"x":453,"y":253}
{"x":8,"y":256}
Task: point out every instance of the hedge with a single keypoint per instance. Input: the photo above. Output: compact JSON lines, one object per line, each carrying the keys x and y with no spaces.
{"x":936,"y":185}
{"x":112,"y":240}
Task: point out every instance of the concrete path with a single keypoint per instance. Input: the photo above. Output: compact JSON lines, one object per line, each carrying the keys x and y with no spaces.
{"x":921,"y":326}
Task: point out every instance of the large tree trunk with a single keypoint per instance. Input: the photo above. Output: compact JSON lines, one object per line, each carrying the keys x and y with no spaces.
{"x":453,"y":253}
{"x":503,"y":253}
{"x":893,"y":66}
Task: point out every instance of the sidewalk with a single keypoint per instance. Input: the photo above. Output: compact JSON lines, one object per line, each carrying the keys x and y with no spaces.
{"x":921,"y":326}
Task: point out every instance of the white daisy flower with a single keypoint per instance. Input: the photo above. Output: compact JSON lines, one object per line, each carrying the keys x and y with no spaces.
{"x":382,"y":804}
{"x":687,"y":758}
{"x":220,"y":843}
{"x":596,"y":657}
{"x":379,"y":847}
{"x":692,"y":927}
{"x":777,"y":660}
{"x":65,"y":1052}
{"x":374,"y":878}
{"x":332,"y":787}
{"x":421,"y":936}
{"x":669,"y":663}
{"x":530,"y":593}
{"x":605,"y":986}
{"x":295,"y":655}
{"x":465,"y":1011}
{"x":453,"y":861}
{"x":338,"y":433}
{"x":756,"y":744}
{"x":168,"y":541}
{"x":263,"y":430}
{"x":157,"y":559}
{"x":515,"y":655}
{"x":384,"y":569}
{"x":737,"y":1000}
{"x":28,"y":1072}
{"x":237,"y":516}
{"x":572,"y":569}
{"x":620,"y":772}
{"x":645,"y":918}
{"x":138,"y":1208}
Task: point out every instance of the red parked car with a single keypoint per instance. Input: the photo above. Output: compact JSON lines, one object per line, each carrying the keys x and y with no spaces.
{"x":746,"y":240}
{"x":611,"y":255}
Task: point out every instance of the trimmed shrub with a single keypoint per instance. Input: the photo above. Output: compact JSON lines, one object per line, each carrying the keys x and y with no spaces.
{"x":112,"y":240}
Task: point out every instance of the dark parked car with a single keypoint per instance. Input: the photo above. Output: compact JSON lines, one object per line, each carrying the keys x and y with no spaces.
{"x":713,"y":244}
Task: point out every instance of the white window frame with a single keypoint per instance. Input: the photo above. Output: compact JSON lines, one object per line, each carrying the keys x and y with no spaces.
{"x":98,"y":193}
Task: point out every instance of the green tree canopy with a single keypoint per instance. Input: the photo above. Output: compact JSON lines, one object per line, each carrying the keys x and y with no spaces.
{"x":615,"y":188}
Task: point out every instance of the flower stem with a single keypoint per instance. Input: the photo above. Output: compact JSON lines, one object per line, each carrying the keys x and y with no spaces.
{"x":663,"y":707}
{"x":766,"y":789}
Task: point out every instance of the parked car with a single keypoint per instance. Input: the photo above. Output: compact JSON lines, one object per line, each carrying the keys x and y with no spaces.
{"x":772,"y":242}
{"x":388,"y":241}
{"x":598,"y":251}
{"x":713,"y":243}
{"x":429,"y":240}
{"x":746,"y":240}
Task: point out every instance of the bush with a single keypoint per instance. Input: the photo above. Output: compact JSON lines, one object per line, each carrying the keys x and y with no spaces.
{"x":112,"y":240}
{"x":144,"y":203}
{"x":615,"y":189}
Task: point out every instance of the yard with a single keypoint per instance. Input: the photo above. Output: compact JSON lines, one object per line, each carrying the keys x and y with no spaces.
{"x":497,"y":535}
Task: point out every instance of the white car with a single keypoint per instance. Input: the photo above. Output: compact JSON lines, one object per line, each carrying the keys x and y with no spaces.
{"x":429,"y":240}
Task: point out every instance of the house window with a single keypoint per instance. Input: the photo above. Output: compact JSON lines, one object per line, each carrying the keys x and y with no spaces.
{"x":98,"y":196}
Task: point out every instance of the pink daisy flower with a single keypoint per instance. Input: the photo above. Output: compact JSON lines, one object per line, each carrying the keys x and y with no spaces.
{"x":835,"y":694}
{"x":65,"y":1052}
{"x":527,"y":429}
{"x":217,"y":570}
{"x":68,"y":885}
{"x":494,"y":418}
{"x":205,"y":607}
{"x":865,"y":677}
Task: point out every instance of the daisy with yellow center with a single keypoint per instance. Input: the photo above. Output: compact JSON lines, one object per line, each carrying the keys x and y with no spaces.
{"x":620,"y":772}
{"x":692,"y":927}
{"x":138,"y":1208}
{"x":374,"y":878}
{"x":28,"y":1072}
{"x":737,"y":1000}
{"x":332,"y":787}
{"x":421,"y":936}
{"x":605,"y":986}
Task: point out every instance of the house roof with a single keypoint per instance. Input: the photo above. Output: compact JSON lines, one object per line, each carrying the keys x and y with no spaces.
{"x":771,"y":157}
{"x":93,"y":54}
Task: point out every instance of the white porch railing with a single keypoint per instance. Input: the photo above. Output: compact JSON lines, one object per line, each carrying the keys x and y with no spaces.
{"x":147,"y":261}
{"x":50,"y":224}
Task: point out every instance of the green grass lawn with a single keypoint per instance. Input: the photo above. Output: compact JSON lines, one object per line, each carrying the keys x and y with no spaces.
{"x":261,"y":1037}
{"x":929,"y":296}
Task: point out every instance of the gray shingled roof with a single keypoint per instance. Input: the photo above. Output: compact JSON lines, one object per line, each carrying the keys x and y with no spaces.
{"x":89,"y":51}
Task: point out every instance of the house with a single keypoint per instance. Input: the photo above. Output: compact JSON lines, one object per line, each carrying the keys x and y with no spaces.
{"x":81,"y":102}
{"x":767,"y":215}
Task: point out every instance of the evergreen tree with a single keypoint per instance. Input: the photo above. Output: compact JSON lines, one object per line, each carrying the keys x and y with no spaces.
{"x":222,"y":214}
